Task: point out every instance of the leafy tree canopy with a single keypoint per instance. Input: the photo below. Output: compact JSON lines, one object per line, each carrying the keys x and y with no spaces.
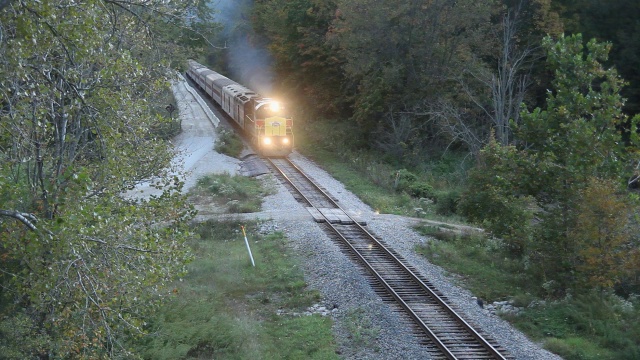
{"x":534,"y":195}
{"x":80,"y":264}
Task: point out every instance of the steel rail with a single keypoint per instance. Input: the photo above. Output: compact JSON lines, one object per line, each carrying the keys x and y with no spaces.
{"x":396,"y":261}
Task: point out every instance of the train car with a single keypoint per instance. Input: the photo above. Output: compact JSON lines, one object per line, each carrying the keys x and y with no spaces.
{"x":263,"y":120}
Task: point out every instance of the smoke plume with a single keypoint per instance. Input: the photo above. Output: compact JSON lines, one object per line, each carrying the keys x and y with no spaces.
{"x":249,"y":61}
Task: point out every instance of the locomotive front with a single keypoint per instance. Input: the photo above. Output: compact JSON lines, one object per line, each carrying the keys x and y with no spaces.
{"x":273,"y":128}
{"x":264,"y":120}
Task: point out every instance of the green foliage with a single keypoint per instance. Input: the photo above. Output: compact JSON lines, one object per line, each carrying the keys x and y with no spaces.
{"x":613,"y":22}
{"x":403,"y":178}
{"x":447,"y":201}
{"x":229,"y":143}
{"x":578,"y":132}
{"x":309,"y":69}
{"x":421,"y":190}
{"x":373,"y":60}
{"x":493,"y":198}
{"x":406,"y":181}
{"x":83,"y":266}
{"x":447,"y":170}
{"x":398,"y":53}
{"x":609,"y":324}
{"x":18,"y":340}
{"x":531,"y":196}
{"x":211,"y":316}
{"x":240,"y":194}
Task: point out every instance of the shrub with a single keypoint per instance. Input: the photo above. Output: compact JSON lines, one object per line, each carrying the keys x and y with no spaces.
{"x":238,"y":194}
{"x":447,"y":202}
{"x":421,"y":190}
{"x":406,"y":181}
{"x":229,"y":143}
{"x":402,"y":179}
{"x":602,"y":235}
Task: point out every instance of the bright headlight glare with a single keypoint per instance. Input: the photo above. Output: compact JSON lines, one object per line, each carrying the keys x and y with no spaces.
{"x":285,"y":140}
{"x":275,"y":106}
{"x":266,"y":141}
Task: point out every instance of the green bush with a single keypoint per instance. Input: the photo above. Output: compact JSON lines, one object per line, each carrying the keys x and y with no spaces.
{"x":502,"y":214}
{"x":406,"y":181}
{"x":402,"y":179}
{"x":421,"y":190}
{"x":229,"y":143}
{"x":239,"y":194}
{"x":447,"y":202}
{"x":592,"y":326}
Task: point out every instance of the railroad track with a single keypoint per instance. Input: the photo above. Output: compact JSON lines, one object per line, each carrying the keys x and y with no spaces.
{"x":447,"y":335}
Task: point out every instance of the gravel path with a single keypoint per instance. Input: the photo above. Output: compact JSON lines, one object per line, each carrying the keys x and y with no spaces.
{"x":365,"y":327}
{"x":195,"y":155}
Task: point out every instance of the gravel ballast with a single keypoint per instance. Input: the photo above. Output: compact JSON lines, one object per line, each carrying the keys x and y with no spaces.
{"x":365,"y":326}
{"x":343,"y":284}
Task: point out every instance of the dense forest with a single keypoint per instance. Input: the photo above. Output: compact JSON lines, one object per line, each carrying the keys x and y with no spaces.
{"x":542,"y":94}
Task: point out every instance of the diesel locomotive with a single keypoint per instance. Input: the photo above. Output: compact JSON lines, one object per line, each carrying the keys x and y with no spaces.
{"x":263,"y":120}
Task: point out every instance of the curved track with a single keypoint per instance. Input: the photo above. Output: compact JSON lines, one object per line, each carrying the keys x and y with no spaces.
{"x":447,"y":335}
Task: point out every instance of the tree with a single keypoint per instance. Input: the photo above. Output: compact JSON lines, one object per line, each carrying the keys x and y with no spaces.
{"x":576,"y":141}
{"x":308,"y":69}
{"x":401,"y":58}
{"x":614,"y":22}
{"x":603,"y":235}
{"x":492,"y":86}
{"x":81,"y":265}
{"x":509,"y":83}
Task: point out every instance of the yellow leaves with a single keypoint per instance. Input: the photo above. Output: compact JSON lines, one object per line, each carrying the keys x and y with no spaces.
{"x":601,"y":234}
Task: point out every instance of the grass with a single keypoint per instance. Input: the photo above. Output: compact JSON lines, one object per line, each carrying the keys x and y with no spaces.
{"x":237,"y":194}
{"x":379,"y":198}
{"x":226,"y":309}
{"x":476,"y":259}
{"x":229,"y":143}
{"x":590,"y":326}
{"x":373,"y":180}
{"x":360,"y":328}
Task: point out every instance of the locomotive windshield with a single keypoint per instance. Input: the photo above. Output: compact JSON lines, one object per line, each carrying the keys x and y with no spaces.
{"x":271,"y":109}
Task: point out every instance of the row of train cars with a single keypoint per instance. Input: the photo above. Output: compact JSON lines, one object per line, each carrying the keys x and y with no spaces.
{"x":264,"y":121}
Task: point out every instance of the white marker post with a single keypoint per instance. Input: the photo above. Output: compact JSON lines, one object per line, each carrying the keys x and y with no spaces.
{"x":248,"y":248}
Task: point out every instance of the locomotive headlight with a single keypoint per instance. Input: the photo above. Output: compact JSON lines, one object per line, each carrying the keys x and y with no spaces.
{"x":266,"y":141}
{"x":285,"y":140}
{"x":274,"y":106}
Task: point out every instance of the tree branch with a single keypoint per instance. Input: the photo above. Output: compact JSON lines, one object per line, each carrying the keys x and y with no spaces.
{"x":27,"y":219}
{"x":120,"y":246}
